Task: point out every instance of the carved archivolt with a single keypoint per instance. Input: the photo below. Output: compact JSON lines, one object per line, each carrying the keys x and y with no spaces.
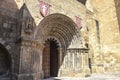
{"x":59,"y":26}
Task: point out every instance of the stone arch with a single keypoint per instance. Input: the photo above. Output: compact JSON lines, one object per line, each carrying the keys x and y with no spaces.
{"x":5,"y":62}
{"x":64,"y":31}
{"x":60,"y":26}
{"x":55,"y":38}
{"x":5,"y":44}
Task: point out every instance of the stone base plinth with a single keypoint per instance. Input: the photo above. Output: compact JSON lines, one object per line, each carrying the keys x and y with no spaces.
{"x":98,"y":69}
{"x":74,"y":73}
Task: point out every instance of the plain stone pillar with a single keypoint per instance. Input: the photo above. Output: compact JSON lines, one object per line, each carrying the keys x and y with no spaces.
{"x":30,"y":67}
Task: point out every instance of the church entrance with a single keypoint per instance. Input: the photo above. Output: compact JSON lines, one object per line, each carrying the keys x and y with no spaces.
{"x":50,"y":58}
{"x":67,"y":58}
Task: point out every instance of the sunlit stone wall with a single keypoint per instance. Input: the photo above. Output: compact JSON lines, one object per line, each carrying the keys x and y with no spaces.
{"x":106,"y":54}
{"x":72,"y":9}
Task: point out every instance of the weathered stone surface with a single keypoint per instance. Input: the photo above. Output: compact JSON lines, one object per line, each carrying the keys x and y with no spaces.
{"x":24,"y":31}
{"x":107,"y":15}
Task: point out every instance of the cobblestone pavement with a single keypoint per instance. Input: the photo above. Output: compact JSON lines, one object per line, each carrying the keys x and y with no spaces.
{"x":93,"y":77}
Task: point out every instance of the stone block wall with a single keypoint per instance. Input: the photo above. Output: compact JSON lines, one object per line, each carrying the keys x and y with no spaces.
{"x":30,"y":61}
{"x":9,"y":8}
{"x":71,"y":10}
{"x":105,"y":13}
{"x":9,"y":31}
{"x":8,"y":34}
{"x":19,"y":39}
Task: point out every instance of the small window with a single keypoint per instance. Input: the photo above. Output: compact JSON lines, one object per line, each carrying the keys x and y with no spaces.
{"x":97,"y":30}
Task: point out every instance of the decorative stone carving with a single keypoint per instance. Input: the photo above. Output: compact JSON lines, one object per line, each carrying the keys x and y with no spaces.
{"x":29,"y":27}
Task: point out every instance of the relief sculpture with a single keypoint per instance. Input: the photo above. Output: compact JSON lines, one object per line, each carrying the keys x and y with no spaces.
{"x":29,"y":27}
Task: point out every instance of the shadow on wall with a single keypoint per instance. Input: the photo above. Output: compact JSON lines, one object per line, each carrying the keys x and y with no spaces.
{"x":82,"y":1}
{"x":5,"y":62}
{"x":9,"y":8}
{"x":32,"y":66}
{"x":15,"y":25}
{"x":8,"y":20}
{"x":117,"y":5}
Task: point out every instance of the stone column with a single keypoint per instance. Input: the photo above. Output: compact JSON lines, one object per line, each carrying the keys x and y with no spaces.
{"x":30,"y":61}
{"x":60,"y":56}
{"x":73,"y":58}
{"x":62,"y":62}
{"x":82,"y":64}
{"x":85,"y":64}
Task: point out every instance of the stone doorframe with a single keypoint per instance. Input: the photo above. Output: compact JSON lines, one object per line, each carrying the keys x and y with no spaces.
{"x":60,"y":52}
{"x":59,"y":49}
{"x":57,"y":26}
{"x":63,"y":29}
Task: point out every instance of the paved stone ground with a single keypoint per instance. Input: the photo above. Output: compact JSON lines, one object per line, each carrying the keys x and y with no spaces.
{"x":93,"y":77}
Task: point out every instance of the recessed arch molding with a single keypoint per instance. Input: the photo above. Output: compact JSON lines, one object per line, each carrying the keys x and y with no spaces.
{"x":60,"y":26}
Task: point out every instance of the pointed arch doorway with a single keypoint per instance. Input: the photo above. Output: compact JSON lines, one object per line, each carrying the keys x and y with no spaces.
{"x":50,"y":58}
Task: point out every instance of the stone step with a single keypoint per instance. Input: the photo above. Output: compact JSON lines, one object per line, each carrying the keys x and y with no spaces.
{"x":52,"y":78}
{"x":5,"y":78}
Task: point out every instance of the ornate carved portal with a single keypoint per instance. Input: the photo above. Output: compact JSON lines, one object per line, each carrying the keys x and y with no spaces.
{"x":29,"y":27}
{"x":56,"y":61}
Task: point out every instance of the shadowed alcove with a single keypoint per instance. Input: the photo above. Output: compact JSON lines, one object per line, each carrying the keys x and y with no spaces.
{"x":5,"y":63}
{"x":51,"y":58}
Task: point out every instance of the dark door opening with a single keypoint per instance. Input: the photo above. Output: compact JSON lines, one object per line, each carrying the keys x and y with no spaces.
{"x":50,"y":58}
{"x":53,"y":59}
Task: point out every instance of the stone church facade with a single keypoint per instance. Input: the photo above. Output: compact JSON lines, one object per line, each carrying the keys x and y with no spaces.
{"x":33,"y":46}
